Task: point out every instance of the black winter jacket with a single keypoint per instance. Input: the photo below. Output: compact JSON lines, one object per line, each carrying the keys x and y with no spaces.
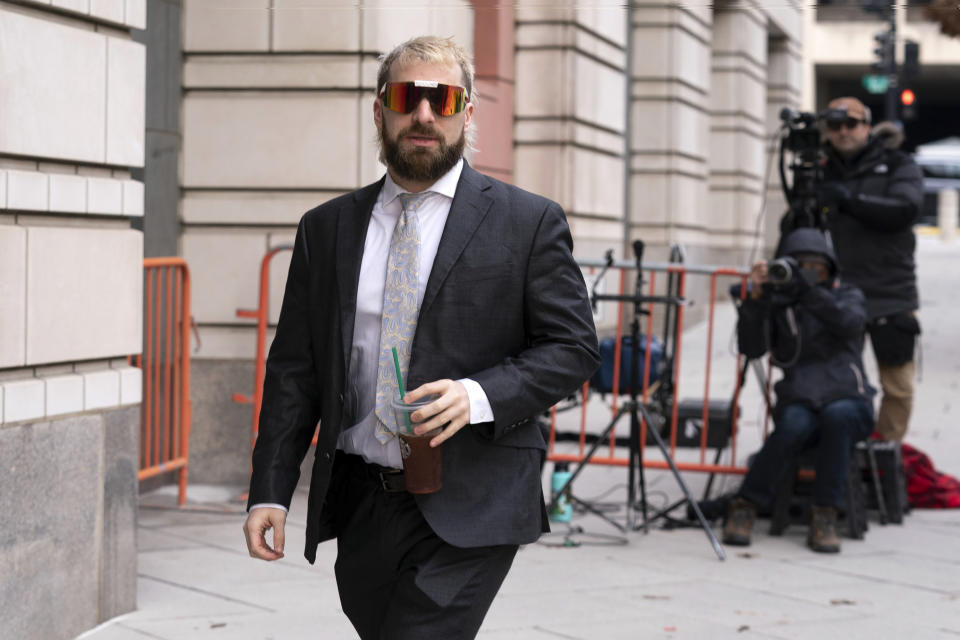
{"x":873,"y":231}
{"x":816,"y":341}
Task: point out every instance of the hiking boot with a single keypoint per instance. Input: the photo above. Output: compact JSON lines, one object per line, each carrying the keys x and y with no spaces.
{"x":739,"y":522}
{"x":823,"y":536}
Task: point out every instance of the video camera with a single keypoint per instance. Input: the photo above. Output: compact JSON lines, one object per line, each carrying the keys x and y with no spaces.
{"x":800,"y":135}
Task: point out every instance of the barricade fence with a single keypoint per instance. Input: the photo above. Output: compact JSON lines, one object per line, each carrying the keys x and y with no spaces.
{"x":165,"y":416}
{"x":713,"y":413}
{"x":261,"y":314}
{"x":657,"y":277}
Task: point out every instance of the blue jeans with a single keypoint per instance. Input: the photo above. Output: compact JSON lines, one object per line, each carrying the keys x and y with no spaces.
{"x":834,"y":429}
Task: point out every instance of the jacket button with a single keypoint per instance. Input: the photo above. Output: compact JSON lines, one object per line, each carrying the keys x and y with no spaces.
{"x":340,"y":397}
{"x":326,"y":454}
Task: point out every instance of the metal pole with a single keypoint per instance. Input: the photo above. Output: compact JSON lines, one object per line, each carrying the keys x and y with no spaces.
{"x":627,"y":129}
{"x":891,"y":114}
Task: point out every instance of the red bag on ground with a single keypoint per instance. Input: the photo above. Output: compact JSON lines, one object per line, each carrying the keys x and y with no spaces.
{"x":927,"y":488}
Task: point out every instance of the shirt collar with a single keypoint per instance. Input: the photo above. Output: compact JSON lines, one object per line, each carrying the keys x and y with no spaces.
{"x":445,"y":186}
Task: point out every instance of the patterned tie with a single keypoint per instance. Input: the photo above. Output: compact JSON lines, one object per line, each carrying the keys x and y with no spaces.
{"x":400,"y":307}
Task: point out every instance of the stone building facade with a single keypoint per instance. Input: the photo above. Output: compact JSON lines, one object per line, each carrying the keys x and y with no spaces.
{"x":277,"y":117}
{"x":71,"y":132}
{"x":653,"y":122}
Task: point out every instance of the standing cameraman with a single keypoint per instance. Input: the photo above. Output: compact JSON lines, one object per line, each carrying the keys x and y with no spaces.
{"x":877,"y":190}
{"x":813,"y":327}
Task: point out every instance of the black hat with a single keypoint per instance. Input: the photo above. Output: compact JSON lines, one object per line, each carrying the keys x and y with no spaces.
{"x":808,"y":240}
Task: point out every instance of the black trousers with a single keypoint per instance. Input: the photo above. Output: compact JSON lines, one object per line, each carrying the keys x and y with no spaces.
{"x":397,"y":579}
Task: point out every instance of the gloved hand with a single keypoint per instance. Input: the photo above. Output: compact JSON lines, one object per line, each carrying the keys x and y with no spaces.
{"x":833,"y":193}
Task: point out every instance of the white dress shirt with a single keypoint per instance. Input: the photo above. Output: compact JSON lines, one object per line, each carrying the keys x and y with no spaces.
{"x":360,"y":396}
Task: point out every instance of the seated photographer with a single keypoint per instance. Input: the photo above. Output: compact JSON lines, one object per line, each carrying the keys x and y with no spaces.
{"x":813,"y":325}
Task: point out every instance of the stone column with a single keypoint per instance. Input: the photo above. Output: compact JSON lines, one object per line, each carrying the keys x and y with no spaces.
{"x":570,"y":115}
{"x":71,"y":130}
{"x":784,"y":81}
{"x":670,"y":118}
{"x":738,"y":121}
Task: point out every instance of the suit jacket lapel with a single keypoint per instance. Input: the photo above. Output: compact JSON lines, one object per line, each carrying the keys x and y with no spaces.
{"x":352,"y":222}
{"x":469,"y":208}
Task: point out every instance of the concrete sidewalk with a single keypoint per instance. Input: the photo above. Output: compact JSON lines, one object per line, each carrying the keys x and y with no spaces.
{"x":196,"y":580}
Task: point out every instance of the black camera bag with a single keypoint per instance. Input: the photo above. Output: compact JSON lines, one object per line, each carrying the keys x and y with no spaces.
{"x":894,"y":338}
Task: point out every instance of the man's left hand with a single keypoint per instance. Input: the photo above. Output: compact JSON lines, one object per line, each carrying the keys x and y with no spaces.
{"x":451,"y":408}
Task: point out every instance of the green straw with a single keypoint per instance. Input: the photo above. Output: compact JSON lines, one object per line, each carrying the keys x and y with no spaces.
{"x":396,"y":364}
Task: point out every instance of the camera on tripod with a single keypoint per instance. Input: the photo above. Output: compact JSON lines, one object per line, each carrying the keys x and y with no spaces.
{"x":800,"y":135}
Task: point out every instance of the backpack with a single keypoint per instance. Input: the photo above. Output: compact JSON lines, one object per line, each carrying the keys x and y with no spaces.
{"x":928,"y":488}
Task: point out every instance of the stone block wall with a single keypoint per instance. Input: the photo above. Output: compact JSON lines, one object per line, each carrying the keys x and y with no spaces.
{"x":277,"y":118}
{"x":71,"y":131}
{"x":69,"y":563}
{"x":69,"y":134}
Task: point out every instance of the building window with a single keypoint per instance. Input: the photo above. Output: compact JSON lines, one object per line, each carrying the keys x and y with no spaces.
{"x":847,"y":11}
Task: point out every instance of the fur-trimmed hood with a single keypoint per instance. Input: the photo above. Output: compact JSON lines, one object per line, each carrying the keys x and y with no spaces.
{"x":890,"y":133}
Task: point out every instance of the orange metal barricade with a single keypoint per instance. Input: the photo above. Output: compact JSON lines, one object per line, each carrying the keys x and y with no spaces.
{"x":651,"y":271}
{"x":678,"y":270}
{"x":165,"y":362}
{"x":260,"y":314}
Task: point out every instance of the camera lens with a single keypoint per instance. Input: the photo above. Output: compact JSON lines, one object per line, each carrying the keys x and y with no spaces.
{"x":779,"y":271}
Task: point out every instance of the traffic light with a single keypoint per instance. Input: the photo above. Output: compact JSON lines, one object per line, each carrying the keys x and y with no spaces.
{"x":908,"y":105}
{"x":908,"y":73}
{"x":911,"y":61}
{"x":884,"y":52}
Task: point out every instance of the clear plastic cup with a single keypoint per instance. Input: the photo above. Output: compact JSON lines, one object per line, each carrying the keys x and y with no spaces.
{"x":422,"y":464}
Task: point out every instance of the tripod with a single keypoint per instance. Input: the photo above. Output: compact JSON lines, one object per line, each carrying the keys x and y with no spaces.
{"x":635,"y":409}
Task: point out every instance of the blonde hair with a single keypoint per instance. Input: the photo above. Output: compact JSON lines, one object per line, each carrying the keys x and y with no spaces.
{"x":436,"y":50}
{"x":427,"y":49}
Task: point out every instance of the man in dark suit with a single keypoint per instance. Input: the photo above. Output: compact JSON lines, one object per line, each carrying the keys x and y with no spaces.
{"x":475,"y":283}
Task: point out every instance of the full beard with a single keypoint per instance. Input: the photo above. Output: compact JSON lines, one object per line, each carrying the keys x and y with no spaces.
{"x":419,"y":164}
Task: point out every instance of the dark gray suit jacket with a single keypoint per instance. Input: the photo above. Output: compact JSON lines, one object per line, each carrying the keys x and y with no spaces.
{"x":505,"y":305}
